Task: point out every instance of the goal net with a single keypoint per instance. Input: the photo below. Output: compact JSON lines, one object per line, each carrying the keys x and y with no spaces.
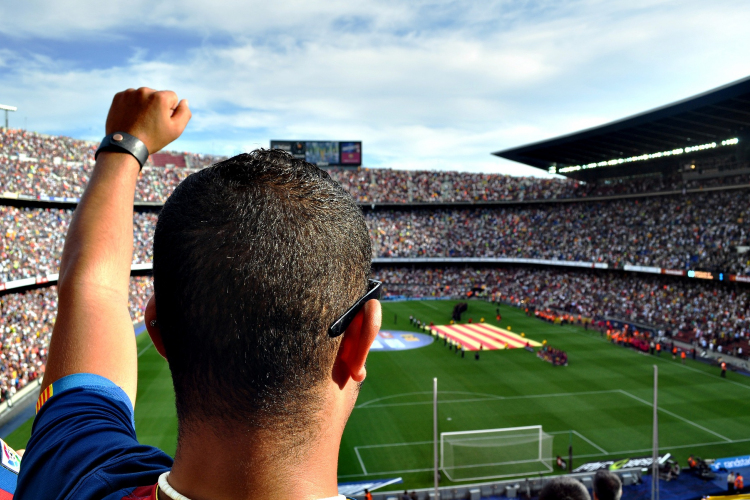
{"x":494,"y":453}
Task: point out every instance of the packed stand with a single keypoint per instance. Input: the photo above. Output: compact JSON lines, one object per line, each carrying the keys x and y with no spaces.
{"x":41,"y":165}
{"x":32,"y":240}
{"x":696,"y":231}
{"x":26,"y":322}
{"x":701,"y":231}
{"x":701,"y":311}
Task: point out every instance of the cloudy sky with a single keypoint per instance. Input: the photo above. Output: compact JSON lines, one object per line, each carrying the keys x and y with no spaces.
{"x":436,"y":85}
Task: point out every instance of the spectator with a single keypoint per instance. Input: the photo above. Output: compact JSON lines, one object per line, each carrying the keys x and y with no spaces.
{"x":281,"y":360}
{"x":564,"y":488}
{"x":607,"y":486}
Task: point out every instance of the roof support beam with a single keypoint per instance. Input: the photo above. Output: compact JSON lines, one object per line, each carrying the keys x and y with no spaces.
{"x":718,"y":118}
{"x":732,"y":110}
{"x":670,"y":141}
{"x":699,"y":124}
{"x":684,"y":134}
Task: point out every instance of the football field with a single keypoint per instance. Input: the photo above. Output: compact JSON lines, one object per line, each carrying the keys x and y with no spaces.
{"x":600,"y":403}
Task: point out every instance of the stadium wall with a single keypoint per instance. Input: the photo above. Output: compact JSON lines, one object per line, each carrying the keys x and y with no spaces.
{"x":44,"y":201}
{"x":145,"y":269}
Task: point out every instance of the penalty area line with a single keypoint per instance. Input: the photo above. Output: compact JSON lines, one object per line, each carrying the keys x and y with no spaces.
{"x":361,"y":463}
{"x":677,"y":417}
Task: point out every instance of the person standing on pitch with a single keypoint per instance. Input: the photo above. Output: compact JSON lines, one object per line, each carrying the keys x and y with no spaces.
{"x":723,"y":368}
{"x":262,"y":307}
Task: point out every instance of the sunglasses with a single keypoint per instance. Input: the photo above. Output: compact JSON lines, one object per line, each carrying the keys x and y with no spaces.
{"x":340,"y":325}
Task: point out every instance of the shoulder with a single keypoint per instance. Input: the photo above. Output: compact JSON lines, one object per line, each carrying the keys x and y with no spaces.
{"x":83,"y":444}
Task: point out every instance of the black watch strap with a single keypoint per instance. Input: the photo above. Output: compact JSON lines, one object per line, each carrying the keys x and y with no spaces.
{"x":121,"y":142}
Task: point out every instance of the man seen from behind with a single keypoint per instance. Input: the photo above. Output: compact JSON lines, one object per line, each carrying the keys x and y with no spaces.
{"x":262,"y":307}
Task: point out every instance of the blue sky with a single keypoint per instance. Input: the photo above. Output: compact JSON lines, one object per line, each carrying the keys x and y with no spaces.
{"x":435,"y":85}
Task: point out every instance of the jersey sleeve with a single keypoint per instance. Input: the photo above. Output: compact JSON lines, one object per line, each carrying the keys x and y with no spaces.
{"x":83,"y":444}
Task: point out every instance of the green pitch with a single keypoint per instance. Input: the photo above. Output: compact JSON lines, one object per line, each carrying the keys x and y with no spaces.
{"x":601,"y":402}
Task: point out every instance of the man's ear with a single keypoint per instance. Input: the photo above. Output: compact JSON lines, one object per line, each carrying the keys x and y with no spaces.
{"x":152,"y":325}
{"x":358,"y":337}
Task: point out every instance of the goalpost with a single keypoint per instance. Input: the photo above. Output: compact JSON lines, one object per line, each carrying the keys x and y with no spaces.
{"x":495,"y":453}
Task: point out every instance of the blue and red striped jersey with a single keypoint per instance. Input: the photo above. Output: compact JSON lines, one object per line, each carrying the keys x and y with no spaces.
{"x":83,"y":445}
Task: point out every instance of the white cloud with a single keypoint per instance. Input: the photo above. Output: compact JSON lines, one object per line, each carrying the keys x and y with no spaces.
{"x":437,"y":85}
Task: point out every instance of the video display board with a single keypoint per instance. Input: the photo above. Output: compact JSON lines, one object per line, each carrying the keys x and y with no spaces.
{"x":324,"y":153}
{"x":351,"y":153}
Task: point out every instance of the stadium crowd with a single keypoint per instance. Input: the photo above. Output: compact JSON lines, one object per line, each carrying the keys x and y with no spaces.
{"x":32,"y":240}
{"x":26,"y":321}
{"x":41,"y":165}
{"x":698,"y":231}
{"x":697,"y":310}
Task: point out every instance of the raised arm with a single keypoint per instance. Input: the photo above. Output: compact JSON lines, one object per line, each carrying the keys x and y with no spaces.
{"x":93,"y":332}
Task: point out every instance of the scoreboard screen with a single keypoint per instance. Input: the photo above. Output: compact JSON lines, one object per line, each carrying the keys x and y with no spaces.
{"x":351,"y":153}
{"x":324,"y":153}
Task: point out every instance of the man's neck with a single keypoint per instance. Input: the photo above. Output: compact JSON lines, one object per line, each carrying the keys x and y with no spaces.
{"x":255,"y":465}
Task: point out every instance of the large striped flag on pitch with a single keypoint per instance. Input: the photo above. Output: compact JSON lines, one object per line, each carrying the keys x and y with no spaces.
{"x":490,"y":337}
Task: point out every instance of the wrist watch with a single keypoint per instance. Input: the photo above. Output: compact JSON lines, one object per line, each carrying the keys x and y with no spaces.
{"x":122,"y":142}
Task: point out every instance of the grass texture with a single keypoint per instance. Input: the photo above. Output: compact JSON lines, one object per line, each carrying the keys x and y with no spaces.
{"x":600,"y":402}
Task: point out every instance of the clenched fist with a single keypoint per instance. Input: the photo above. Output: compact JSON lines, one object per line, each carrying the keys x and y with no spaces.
{"x":155,"y":117}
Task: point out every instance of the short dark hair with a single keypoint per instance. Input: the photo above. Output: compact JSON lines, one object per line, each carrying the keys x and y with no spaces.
{"x":607,"y":485}
{"x":254,"y":258}
{"x":564,"y":488}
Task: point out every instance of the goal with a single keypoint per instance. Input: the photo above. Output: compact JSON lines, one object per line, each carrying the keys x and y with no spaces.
{"x":494,"y":453}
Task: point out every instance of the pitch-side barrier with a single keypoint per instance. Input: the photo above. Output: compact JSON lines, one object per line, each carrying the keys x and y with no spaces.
{"x":51,"y":279}
{"x":511,"y":488}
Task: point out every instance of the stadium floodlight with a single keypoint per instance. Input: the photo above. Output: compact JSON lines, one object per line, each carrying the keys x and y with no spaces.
{"x":495,"y":453}
{"x":661,"y":154}
{"x":7,"y":108}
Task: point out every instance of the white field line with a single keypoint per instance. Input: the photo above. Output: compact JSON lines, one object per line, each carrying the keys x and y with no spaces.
{"x":490,"y":397}
{"x":591,"y":442}
{"x":367,"y":403}
{"x":388,"y":472}
{"x":549,"y":469}
{"x":667,"y":362}
{"x":603,"y":451}
{"x":392,"y":444}
{"x":590,"y":455}
{"x":678,"y":417}
{"x":418,"y":403}
{"x":431,"y":306}
{"x":361,"y":463}
{"x":145,"y":349}
{"x":715,"y":376}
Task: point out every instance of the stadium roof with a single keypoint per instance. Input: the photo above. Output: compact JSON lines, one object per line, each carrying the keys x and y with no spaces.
{"x":713,"y":119}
